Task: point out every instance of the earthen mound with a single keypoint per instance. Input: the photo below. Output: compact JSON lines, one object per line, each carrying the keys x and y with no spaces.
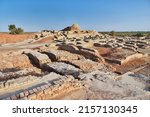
{"x":74,"y":27}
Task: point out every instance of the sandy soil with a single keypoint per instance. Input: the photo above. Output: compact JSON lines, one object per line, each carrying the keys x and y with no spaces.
{"x":9,"y":38}
{"x":47,"y":39}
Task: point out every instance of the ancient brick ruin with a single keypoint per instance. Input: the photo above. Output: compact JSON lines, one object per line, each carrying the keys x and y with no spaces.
{"x":75,"y":64}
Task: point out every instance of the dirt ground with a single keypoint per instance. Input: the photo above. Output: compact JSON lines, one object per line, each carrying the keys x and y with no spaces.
{"x":9,"y":38}
{"x":129,"y":66}
{"x":47,"y":39}
{"x":109,"y":52}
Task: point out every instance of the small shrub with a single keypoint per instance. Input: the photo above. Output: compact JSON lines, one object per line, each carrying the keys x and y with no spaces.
{"x":139,"y":35}
{"x":13,"y":30}
{"x":19,"y":31}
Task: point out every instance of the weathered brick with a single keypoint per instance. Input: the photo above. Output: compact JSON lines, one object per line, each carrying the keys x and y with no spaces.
{"x":14,"y":97}
{"x":39,"y":88}
{"x":31,"y":91}
{"x":39,"y":95}
{"x":21,"y":95}
{"x":64,"y":79}
{"x":47,"y":91}
{"x":59,"y":82}
{"x":35,"y":90}
{"x":43,"y":87}
{"x":46,"y":86}
{"x":49,"y":84}
{"x":55,"y":86}
{"x":26,"y":93}
{"x":70,"y":78}
{"x":51,"y":87}
{"x":18,"y":95}
{"x":32,"y":97}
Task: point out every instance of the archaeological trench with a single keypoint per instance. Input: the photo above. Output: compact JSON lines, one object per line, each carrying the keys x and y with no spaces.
{"x":75,"y":64}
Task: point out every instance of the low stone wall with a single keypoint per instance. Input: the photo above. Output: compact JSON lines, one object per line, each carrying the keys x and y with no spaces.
{"x":127,"y":59}
{"x":16,"y":83}
{"x":46,"y":90}
{"x":54,"y":90}
{"x":117,"y":61}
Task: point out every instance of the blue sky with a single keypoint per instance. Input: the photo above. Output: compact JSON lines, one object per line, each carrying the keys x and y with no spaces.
{"x":101,"y":15}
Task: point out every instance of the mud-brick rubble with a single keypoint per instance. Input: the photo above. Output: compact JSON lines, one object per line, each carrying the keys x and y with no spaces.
{"x":67,"y":69}
{"x":70,"y":67}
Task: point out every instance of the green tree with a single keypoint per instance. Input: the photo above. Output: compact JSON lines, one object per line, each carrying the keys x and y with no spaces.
{"x":13,"y":30}
{"x":19,"y":31}
{"x":12,"y":26}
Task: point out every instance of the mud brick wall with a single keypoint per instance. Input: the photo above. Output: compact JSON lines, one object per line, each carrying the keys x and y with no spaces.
{"x":47,"y":90}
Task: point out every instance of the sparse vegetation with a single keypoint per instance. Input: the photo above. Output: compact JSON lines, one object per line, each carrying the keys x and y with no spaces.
{"x":130,"y":34}
{"x":19,"y":31}
{"x":148,"y":35}
{"x":139,"y":34}
{"x":13,"y":30}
